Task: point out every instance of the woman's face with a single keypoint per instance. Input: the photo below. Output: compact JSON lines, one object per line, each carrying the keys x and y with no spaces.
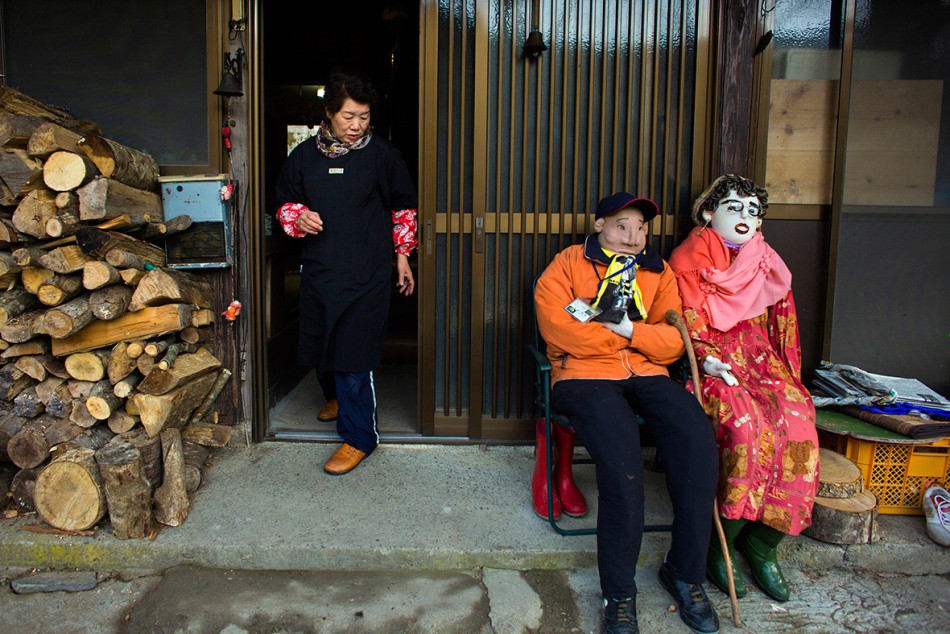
{"x":736,"y":218}
{"x":350,"y":122}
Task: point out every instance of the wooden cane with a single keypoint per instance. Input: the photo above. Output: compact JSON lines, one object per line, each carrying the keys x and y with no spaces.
{"x":673,"y":318}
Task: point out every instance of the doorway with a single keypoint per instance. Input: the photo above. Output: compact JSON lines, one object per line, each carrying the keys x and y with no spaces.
{"x":302,"y":42}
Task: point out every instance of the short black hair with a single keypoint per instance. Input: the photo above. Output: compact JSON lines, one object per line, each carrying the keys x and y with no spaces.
{"x":348,"y":84}
{"x":720,"y":188}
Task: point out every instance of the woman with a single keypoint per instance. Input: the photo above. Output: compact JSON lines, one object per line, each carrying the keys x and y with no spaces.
{"x":738,"y":305}
{"x":348,"y":195}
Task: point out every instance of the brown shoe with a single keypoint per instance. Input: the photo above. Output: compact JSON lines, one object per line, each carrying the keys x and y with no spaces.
{"x":344,"y":460}
{"x":329,"y":411}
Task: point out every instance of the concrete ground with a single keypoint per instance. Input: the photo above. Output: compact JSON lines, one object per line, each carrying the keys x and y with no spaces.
{"x":422,"y":539}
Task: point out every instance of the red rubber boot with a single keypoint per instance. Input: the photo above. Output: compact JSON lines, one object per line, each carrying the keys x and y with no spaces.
{"x":539,"y":484}
{"x":572,"y":500}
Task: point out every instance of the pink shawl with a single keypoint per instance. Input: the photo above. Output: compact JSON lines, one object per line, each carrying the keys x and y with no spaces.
{"x":729,"y":293}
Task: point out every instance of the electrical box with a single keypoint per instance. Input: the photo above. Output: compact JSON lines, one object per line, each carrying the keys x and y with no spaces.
{"x":207,"y":242}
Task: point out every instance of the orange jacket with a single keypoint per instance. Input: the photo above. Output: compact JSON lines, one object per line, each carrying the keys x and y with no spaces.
{"x":591,"y":350}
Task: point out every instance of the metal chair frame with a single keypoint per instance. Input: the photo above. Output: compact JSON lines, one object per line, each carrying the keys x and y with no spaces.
{"x":543,"y":400}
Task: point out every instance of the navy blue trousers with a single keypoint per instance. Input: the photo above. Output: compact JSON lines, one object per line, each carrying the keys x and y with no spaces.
{"x":602,"y":413}
{"x":356,"y":420}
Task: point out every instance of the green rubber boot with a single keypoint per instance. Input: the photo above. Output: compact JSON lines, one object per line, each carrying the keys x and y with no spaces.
{"x":716,"y":563}
{"x":759,"y":543}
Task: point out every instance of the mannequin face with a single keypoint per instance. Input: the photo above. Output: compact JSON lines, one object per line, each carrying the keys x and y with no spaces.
{"x":622,"y":232}
{"x":736,"y":219}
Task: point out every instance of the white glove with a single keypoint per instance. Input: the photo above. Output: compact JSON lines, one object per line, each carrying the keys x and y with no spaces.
{"x":624,"y":328}
{"x":715,"y":367}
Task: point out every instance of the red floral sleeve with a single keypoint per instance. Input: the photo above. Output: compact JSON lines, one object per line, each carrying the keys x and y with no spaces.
{"x":287,"y":215}
{"x":404,"y":231}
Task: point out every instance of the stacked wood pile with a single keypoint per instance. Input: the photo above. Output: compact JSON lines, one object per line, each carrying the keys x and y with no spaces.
{"x":106,"y":386}
{"x":844,"y":512}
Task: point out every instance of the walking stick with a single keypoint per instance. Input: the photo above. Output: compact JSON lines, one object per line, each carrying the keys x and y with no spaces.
{"x":673,"y":318}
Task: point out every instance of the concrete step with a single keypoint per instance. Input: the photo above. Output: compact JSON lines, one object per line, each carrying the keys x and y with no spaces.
{"x":413,"y":507}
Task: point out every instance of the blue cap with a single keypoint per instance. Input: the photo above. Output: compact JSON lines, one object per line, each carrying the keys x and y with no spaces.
{"x":622,"y":200}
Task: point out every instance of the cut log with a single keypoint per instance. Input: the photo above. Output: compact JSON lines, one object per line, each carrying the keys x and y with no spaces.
{"x":22,"y":489}
{"x":150,"y":450}
{"x":106,"y":198}
{"x":61,"y":430}
{"x":15,"y":131}
{"x":35,"y":347}
{"x":167,"y":286}
{"x":206,"y":406}
{"x":195,"y":456}
{"x":65,"y":171}
{"x":845,"y":520}
{"x":13,"y":380}
{"x":146,"y":323}
{"x":190,"y":335}
{"x":8,"y":233}
{"x":59,"y":402}
{"x":8,"y":264}
{"x":10,"y":426}
{"x":68,"y":493}
{"x":202,"y":317}
{"x":131,"y":277}
{"x":87,"y":366}
{"x":69,"y":318}
{"x":172,"y":409}
{"x":135,"y":349}
{"x":33,"y":278}
{"x":59,"y":289}
{"x":33,"y":212}
{"x":838,"y":476}
{"x":171,"y":498}
{"x":14,"y":303}
{"x":24,"y":327}
{"x":27,"y":404}
{"x":110,"y":302}
{"x":65,"y":224}
{"x":28,"y":255}
{"x":94,"y":438}
{"x":171,"y":354}
{"x":34,"y":366}
{"x":98,"y":274}
{"x":124,"y":388}
{"x":155,"y":348}
{"x":207,"y":434}
{"x":29,"y":448}
{"x":177,"y":224}
{"x":120,"y":364}
{"x":121,"y":163}
{"x":127,"y":492}
{"x":188,"y":368}
{"x":57,"y":367}
{"x":150,"y":231}
{"x":66,"y":259}
{"x":97,"y":242}
{"x":49,"y":138}
{"x":79,"y":388}
{"x":67,"y":203}
{"x":145,"y":364}
{"x":20,"y":172}
{"x":80,"y":415}
{"x":102,"y":401}
{"x":121,"y":422}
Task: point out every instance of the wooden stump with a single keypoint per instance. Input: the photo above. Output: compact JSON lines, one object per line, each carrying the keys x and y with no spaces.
{"x":839,"y":477}
{"x":845,"y":520}
{"x":68,"y":493}
{"x":127,"y":491}
{"x":172,"y":409}
{"x":65,"y":171}
{"x":171,"y":499}
{"x":69,"y":318}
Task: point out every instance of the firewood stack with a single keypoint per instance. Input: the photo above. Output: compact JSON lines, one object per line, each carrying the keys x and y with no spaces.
{"x":106,"y":388}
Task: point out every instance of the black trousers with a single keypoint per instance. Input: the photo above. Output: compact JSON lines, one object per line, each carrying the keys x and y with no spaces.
{"x":602,"y":413}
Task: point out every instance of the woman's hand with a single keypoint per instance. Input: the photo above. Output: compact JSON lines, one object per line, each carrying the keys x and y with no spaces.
{"x":309,"y":222}
{"x":714,"y":366}
{"x":404,"y":280}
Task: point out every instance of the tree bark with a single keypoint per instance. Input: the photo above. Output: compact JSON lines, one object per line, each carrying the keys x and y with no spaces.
{"x":16,"y":130}
{"x":126,"y":490}
{"x":838,"y":477}
{"x":150,"y":449}
{"x":110,"y":302}
{"x":49,"y":138}
{"x":845,"y":520}
{"x":66,"y":259}
{"x":98,"y":243}
{"x":195,"y":456}
{"x":69,"y":318}
{"x":121,"y":163}
{"x":171,"y":498}
{"x":13,"y":380}
{"x":121,"y":422}
{"x":105,"y":198}
{"x":172,"y":409}
{"x":207,"y":434}
{"x":102,"y":401}
{"x":124,"y":388}
{"x":34,"y":277}
{"x":146,"y":323}
{"x":59,"y":289}
{"x":22,"y":489}
{"x":32,"y":213}
{"x":98,"y":274}
{"x":20,"y":172}
{"x":166,"y":286}
{"x":27,"y":404}
{"x":121,"y":364}
{"x":188,"y":368}
{"x":14,"y":303}
{"x":29,"y":448}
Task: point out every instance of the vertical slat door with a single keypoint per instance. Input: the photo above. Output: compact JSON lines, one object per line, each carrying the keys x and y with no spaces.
{"x":516,"y":153}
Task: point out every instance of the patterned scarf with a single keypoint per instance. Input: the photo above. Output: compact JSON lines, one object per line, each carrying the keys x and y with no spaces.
{"x":333,"y":147}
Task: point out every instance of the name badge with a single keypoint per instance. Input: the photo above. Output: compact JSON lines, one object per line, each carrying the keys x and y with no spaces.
{"x":581,"y":310}
{"x":336,"y":170}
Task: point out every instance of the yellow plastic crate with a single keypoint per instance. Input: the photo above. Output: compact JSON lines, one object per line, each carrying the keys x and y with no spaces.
{"x":899,"y":473}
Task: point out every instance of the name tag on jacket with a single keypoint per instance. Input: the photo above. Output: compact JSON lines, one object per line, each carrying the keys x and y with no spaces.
{"x":336,"y":170}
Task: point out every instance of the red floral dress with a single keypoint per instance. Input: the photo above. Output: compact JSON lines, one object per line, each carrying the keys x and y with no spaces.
{"x":765,"y":426}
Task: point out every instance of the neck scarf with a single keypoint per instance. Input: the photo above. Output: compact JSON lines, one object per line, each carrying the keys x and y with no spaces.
{"x":729,"y":292}
{"x":619,"y":292}
{"x":333,"y":147}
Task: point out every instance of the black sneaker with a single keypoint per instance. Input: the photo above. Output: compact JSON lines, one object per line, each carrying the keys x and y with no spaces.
{"x":620,"y":616}
{"x":694,"y":607}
